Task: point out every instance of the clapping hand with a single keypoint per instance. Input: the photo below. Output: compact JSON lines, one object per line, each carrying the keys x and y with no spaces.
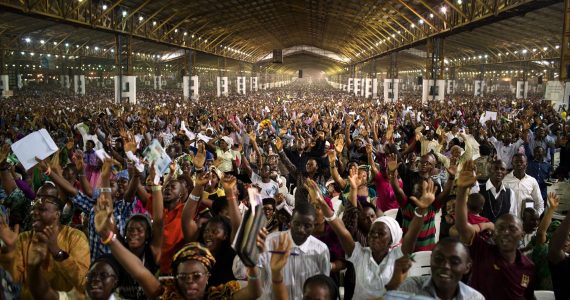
{"x":280,"y":254}
{"x":467,"y":176}
{"x":428,"y":195}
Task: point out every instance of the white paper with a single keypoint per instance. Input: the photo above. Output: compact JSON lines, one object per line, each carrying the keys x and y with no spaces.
{"x":36,"y":144}
{"x":101,"y":154}
{"x":155,"y":153}
{"x":488,"y":115}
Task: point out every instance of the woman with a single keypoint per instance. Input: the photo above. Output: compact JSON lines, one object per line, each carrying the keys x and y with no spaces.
{"x":191,"y":266}
{"x":376,"y":263}
{"x":100,"y":284}
{"x":365,"y":193}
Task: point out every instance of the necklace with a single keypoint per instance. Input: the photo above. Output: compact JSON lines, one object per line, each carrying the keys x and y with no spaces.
{"x":491,"y":204}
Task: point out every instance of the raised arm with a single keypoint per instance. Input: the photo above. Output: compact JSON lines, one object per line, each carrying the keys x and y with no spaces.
{"x":556,"y":253}
{"x":393,"y":166}
{"x":331,"y":154}
{"x":337,"y":225}
{"x":465,"y":181}
{"x":157,"y":214}
{"x":422,"y":206}
{"x":189,"y":226}
{"x":278,"y":147}
{"x":279,"y":257}
{"x":553,"y":202}
{"x":369,"y":154}
{"x":8,"y":182}
{"x":230,"y":188}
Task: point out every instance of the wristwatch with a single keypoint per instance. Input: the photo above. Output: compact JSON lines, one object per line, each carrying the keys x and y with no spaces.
{"x":61,"y":256}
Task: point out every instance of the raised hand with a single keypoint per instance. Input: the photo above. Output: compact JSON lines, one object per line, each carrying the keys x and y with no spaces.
{"x":428,"y":195}
{"x":353,"y":178}
{"x":313,"y":189}
{"x":278,"y":144}
{"x":108,"y":164}
{"x":331,"y":154}
{"x":392,"y":163}
{"x":401,"y":267}
{"x":42,"y":164}
{"x":4,"y":152}
{"x":200,"y":157}
{"x":229,"y":183}
{"x":280,"y":255}
{"x":151,"y":174}
{"x":104,"y":220}
{"x":7,"y":235}
{"x":38,"y":252}
{"x":339,"y":144}
{"x":77,"y":159}
{"x":468,"y":176}
{"x":553,"y":200}
{"x":260,"y":240}
{"x":452,"y":170}
{"x":368,"y":149}
{"x":203,"y":179}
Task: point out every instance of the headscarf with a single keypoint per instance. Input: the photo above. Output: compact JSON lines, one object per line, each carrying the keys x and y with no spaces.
{"x":395,"y":230}
{"x":194,"y":251}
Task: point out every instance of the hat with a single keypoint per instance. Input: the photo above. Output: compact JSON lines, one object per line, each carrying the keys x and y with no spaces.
{"x":124,"y":174}
{"x":395,"y":230}
{"x":218,"y":172}
{"x":228,"y":140}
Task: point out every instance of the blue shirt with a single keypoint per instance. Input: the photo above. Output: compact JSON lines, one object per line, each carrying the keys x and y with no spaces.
{"x":424,"y":286}
{"x":122,"y":212}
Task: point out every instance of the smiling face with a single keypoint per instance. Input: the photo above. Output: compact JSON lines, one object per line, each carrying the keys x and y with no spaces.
{"x":137,"y":234}
{"x":449,"y":262}
{"x":508,"y":233}
{"x":214,"y":235}
{"x":192,"y":279}
{"x":101,"y":281}
{"x":45,"y":211}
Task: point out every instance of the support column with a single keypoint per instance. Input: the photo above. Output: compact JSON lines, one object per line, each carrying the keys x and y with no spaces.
{"x":451,"y":84}
{"x":79,"y":80}
{"x":190,"y":82}
{"x":434,"y":84}
{"x":4,"y":77}
{"x":221,"y":80}
{"x":125,"y":82}
{"x":391,"y":82}
{"x":479,"y":85}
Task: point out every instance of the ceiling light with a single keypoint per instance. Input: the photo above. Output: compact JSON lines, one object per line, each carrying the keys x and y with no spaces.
{"x":431,"y":16}
{"x":443,"y":9}
{"x":141,"y":19}
{"x":544,"y":49}
{"x":557,"y":46}
{"x":153,"y":23}
{"x":524,"y":51}
{"x":413,"y":25}
{"x":28,"y":40}
{"x":66,"y":44}
{"x":104,"y":6}
{"x":459,"y":2}
{"x":124,"y":13}
{"x":421,"y":21}
{"x":185,"y":33}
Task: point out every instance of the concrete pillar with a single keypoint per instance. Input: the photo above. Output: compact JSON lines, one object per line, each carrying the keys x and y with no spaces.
{"x":221,"y":86}
{"x":240,"y":82}
{"x":555,"y":92}
{"x":79,"y":84}
{"x":190,"y":87}
{"x":63,"y":81}
{"x":368,"y":87}
{"x":391,"y":89}
{"x":431,"y":91}
{"x":253,"y":84}
{"x":450,"y":86}
{"x":478,"y":86}
{"x":5,"y":86}
{"x":128,"y":90}
{"x":522,"y":89}
{"x":374,"y":88}
{"x":158,"y":82}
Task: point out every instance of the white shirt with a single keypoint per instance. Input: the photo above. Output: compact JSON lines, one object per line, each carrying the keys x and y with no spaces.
{"x":306,"y":260}
{"x":525,"y":188}
{"x":489,"y":187}
{"x":268,"y":189}
{"x":506,"y":152}
{"x":226,"y":159}
{"x":371,"y":278}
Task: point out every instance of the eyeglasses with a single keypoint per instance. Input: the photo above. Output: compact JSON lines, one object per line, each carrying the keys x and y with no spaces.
{"x":193,"y":277}
{"x":98,"y":276}
{"x":44,"y":199}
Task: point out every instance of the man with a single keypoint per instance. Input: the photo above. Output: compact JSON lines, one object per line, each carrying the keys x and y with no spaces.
{"x":450,"y":261}
{"x":523,"y":185}
{"x":68,"y":248}
{"x":308,"y":257}
{"x":500,"y":270}
{"x":499,"y":200}
{"x":538,"y":168}
{"x":505,"y":149}
{"x":268,"y":187}
{"x":560,"y":260}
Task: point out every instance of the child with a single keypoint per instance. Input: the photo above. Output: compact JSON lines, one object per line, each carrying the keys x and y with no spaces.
{"x":481,"y":224}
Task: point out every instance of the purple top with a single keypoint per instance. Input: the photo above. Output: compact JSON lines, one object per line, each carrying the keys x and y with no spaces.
{"x":26,"y":189}
{"x":331,"y":240}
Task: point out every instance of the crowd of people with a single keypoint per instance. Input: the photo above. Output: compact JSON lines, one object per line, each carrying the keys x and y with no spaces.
{"x":350,"y":189}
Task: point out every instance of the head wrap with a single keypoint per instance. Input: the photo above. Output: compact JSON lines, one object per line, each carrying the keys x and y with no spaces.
{"x":124,"y":174}
{"x":395,"y":230}
{"x":194,"y":251}
{"x":228,"y":140}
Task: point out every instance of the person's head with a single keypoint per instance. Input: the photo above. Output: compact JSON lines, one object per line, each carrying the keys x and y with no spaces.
{"x":70,"y":173}
{"x":102,"y":278}
{"x":300,"y":144}
{"x":172,"y":191}
{"x":449,"y":262}
{"x":268,"y":207}
{"x":508,"y":233}
{"x":530,"y":219}
{"x":138,"y":232}
{"x":220,"y":207}
{"x":312,"y":166}
{"x":363,"y":174}
{"x":358,"y":142}
{"x":320,"y":287}
{"x":450,"y":206}
{"x":540,"y":133}
{"x":216,"y":176}
{"x":427,"y":163}
{"x":366,"y":216}
{"x":46,"y":208}
{"x":226,"y":143}
{"x":456,"y":151}
{"x":384,"y":234}
{"x":519,"y":163}
{"x":120,"y":184}
{"x":265,"y":171}
{"x":475,"y":203}
{"x":303,"y":222}
{"x":191,"y":266}
{"x":216,"y":234}
{"x":538,"y":153}
{"x":89,"y":145}
{"x":497,"y":171}
{"x":484,"y":150}
{"x":507,"y":138}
